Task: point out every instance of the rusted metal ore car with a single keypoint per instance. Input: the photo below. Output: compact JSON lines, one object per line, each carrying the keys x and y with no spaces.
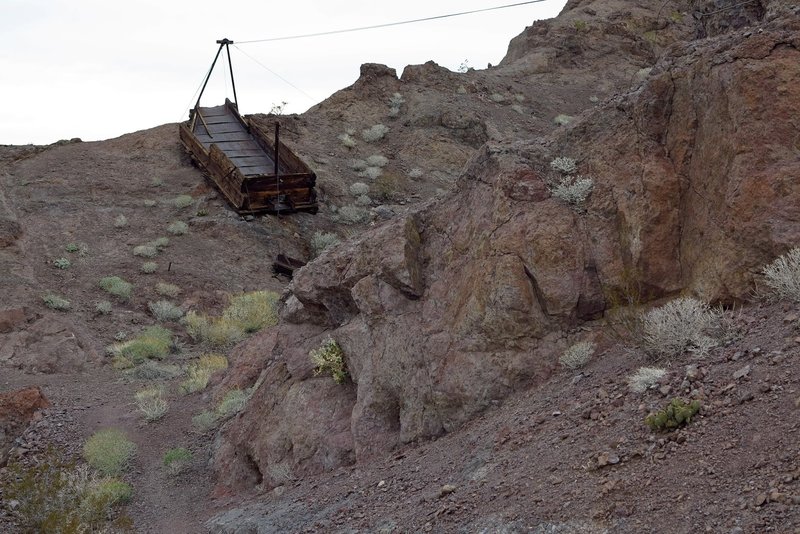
{"x":254,"y":172}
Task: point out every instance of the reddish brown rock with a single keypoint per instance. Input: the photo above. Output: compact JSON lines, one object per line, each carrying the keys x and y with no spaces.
{"x":17,"y":408}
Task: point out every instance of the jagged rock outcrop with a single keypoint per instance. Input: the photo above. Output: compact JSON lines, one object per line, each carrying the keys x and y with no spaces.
{"x":442,"y":312}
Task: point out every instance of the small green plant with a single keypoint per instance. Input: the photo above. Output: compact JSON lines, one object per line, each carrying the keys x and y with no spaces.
{"x":363,"y":201}
{"x":120,"y":221}
{"x":121,"y":335}
{"x":149,"y":203}
{"x":252,"y":311}
{"x":347,"y":140}
{"x":200,"y":372}
{"x":563,"y":120}
{"x":581,"y":26}
{"x":201,"y":212}
{"x":564,"y":165}
{"x":645,"y":378}
{"x":55,"y":302}
{"x":374,"y":133}
{"x":61,"y":263}
{"x":415,"y":173}
{"x":178,"y":228}
{"x":153,"y":370}
{"x":183,"y":201}
{"x":149,"y":267}
{"x":329,"y":358}
{"x":577,"y":355}
{"x":497,"y":98}
{"x":151,"y":403}
{"x":164,"y":310}
{"x":377,"y":160}
{"x":167,"y":290}
{"x":205,"y":421}
{"x":359,"y":188}
{"x":177,"y":460}
{"x":681,"y":325}
{"x":117,"y":287}
{"x":145,"y":251}
{"x":573,"y":191}
{"x":72,"y":248}
{"x":396,"y":102}
{"x":352,"y":215}
{"x":371,"y":172}
{"x":677,"y":413}
{"x":782,"y":276}
{"x":110,"y":491}
{"x":109,"y":451}
{"x":103,"y":307}
{"x":154,"y":342}
{"x":160,"y":243}
{"x":157,"y":182}
{"x":233,"y":402}
{"x":322,"y":240}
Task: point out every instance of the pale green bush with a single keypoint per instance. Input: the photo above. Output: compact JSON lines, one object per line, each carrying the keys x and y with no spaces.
{"x":577,"y":355}
{"x":149,"y":267}
{"x":183,"y":201}
{"x":359,"y":188}
{"x":117,"y":287}
{"x":167,"y":290}
{"x":177,"y":460}
{"x":178,"y":228}
{"x":645,"y":378}
{"x":233,"y":402}
{"x":564,"y":165}
{"x":164,"y":310}
{"x":120,"y":222}
{"x":145,"y":251}
{"x":396,"y":102}
{"x":573,"y":191}
{"x":371,"y":172}
{"x":377,"y":160}
{"x":329,"y":358}
{"x":151,"y":403}
{"x":62,"y":263}
{"x":782,"y":276}
{"x":353,"y":215}
{"x":347,"y":140}
{"x":681,"y":325}
{"x":109,"y":451}
{"x":374,"y":133}
{"x":55,"y":302}
{"x":103,"y":307}
{"x":322,"y":240}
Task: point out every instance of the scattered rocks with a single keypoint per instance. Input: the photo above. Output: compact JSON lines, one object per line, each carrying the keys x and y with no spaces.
{"x":741,"y":373}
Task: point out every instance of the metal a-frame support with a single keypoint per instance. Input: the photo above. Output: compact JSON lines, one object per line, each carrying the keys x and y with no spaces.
{"x":196,"y":111}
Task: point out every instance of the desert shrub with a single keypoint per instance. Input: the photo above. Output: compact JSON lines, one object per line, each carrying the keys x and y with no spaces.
{"x":347,"y":140}
{"x":152,"y":370}
{"x":117,"y":287}
{"x":109,"y":451}
{"x":645,"y":378}
{"x":167,"y":290}
{"x":377,"y":160}
{"x":55,"y":496}
{"x":353,"y":215}
{"x":196,"y":325}
{"x":160,"y":243}
{"x":677,"y":413}
{"x":183,"y":201}
{"x":233,"y":402}
{"x":573,"y":191}
{"x":396,"y":101}
{"x":151,"y":403}
{"x":322,"y":240}
{"x":563,"y":120}
{"x":61,"y":263}
{"x":157,"y":182}
{"x":121,"y":335}
{"x":253,"y":311}
{"x":358,"y":165}
{"x":374,"y":133}
{"x":103,"y":307}
{"x":415,"y":173}
{"x":371,"y":172}
{"x":363,"y":200}
{"x":519,"y":109}
{"x":205,"y":421}
{"x":177,"y":460}
{"x":149,"y":267}
{"x":497,"y":98}
{"x":577,"y":355}
{"x":178,"y":228}
{"x":196,"y":380}
{"x":154,"y":342}
{"x":681,"y":325}
{"x":329,"y":358}
{"x":358,"y":189}
{"x":149,"y":203}
{"x":55,"y":302}
{"x":563,"y":165}
{"x":213,"y":361}
{"x":164,"y":310}
{"x":384,"y":187}
{"x":782,"y":276}
{"x":145,"y":251}
{"x":71,"y":247}
{"x":120,"y":222}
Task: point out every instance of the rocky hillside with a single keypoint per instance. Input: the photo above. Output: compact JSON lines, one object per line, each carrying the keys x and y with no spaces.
{"x":619,"y":156}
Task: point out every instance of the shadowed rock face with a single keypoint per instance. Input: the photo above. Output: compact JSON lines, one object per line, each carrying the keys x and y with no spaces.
{"x":446,"y":310}
{"x":17,"y":408}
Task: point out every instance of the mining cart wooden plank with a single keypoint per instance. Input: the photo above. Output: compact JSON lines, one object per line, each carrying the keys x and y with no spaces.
{"x":236,"y":136}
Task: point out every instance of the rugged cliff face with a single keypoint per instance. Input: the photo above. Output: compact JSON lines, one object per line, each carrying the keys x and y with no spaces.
{"x":450,"y":308}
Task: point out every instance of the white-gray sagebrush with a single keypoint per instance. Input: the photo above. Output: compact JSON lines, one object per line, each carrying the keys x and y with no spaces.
{"x":782,"y":276}
{"x":577,"y":355}
{"x":681,"y":325}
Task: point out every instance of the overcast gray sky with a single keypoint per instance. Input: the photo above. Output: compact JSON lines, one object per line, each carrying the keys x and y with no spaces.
{"x":96,"y":69}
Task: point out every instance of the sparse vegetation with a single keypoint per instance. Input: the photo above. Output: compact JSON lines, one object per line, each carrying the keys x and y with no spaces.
{"x":252,"y":311}
{"x":577,"y":355}
{"x":233,"y":402}
{"x":178,"y":228}
{"x":160,"y":243}
{"x":322,"y":240}
{"x":199,"y":373}
{"x":149,"y":267}
{"x":782,"y":276}
{"x":152,"y":370}
{"x":61,"y":263}
{"x":177,"y":460}
{"x":183,"y":201}
{"x":55,"y":302}
{"x":358,"y":189}
{"x":563,"y":120}
{"x":396,"y":102}
{"x":72,"y":247}
{"x":117,"y":287}
{"x":103,"y":307}
{"x":573,"y":191}
{"x":329,"y":359}
{"x":363,"y":200}
{"x":145,"y":251}
{"x":155,"y":342}
{"x":151,"y":403}
{"x":581,"y":26}
{"x":352,"y":215}
{"x":109,"y":451}
{"x":374,"y":133}
{"x":149,"y":203}
{"x":164,"y":310}
{"x":677,"y":413}
{"x":167,"y":290}
{"x":120,"y":221}
{"x":497,"y":98}
{"x":377,"y":160}
{"x":415,"y":173}
{"x":347,"y":140}
{"x":645,"y":378}
{"x":205,"y":421}
{"x":564,"y":165}
{"x":371,"y":172}
{"x":681,"y":325}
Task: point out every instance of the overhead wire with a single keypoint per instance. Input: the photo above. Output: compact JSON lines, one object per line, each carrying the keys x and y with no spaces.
{"x":275,"y":73}
{"x":390,"y":24}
